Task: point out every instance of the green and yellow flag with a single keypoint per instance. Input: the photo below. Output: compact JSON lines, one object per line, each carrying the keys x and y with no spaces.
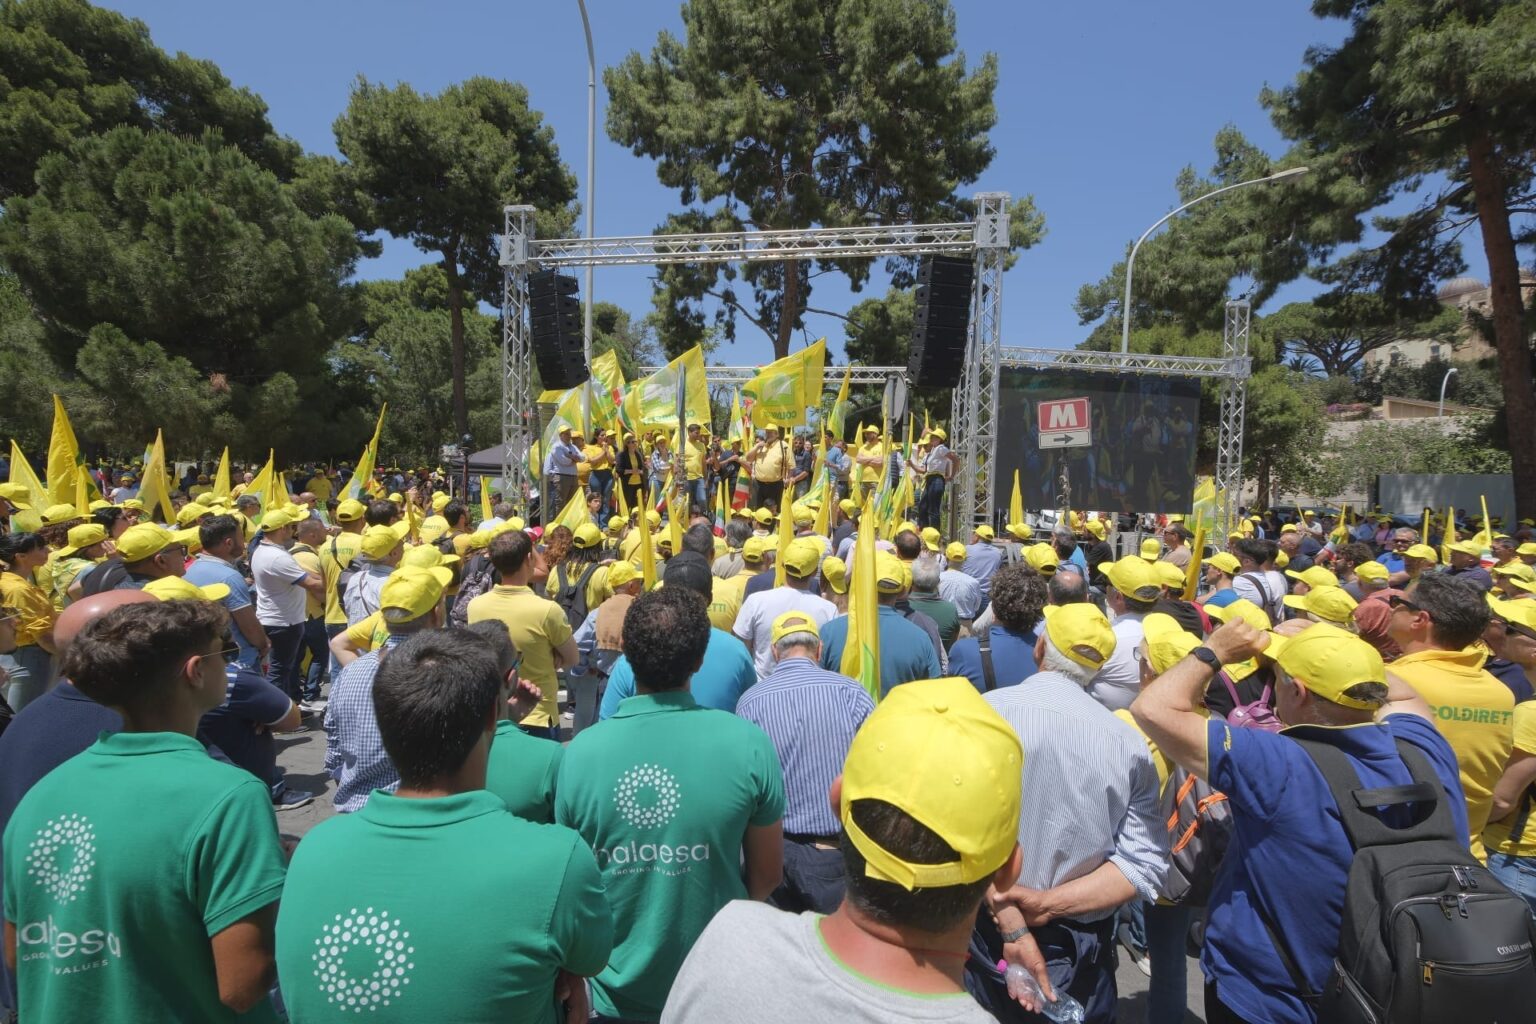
{"x":782,"y":390}
{"x":261,"y":483}
{"x":861,"y":649}
{"x":574,"y":513}
{"x":485,"y":499}
{"x":221,"y":477}
{"x":736,"y":430}
{"x":651,"y":402}
{"x":363,"y":474}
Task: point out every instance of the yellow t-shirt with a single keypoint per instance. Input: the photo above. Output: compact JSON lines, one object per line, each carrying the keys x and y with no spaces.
{"x":537,"y":627}
{"x":597,"y":456}
{"x":1496,"y":835}
{"x":309,"y":560}
{"x":1475,"y":713}
{"x":31,"y":602}
{"x":346,"y":545}
{"x":769,"y":467}
{"x":693,"y":459}
{"x":368,"y":633}
{"x":875,"y":451}
{"x":320,"y":487}
{"x":725,"y":599}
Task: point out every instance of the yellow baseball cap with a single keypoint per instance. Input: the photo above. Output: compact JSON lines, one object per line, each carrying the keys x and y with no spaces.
{"x":425,"y":556}
{"x":410,"y":592}
{"x":1328,"y":660}
{"x":174,"y":588}
{"x":905,"y":526}
{"x":1314,"y":576}
{"x":1423,"y":551}
{"x":1519,"y":570}
{"x":1096,"y":528}
{"x":800,"y":514}
{"x":801,"y":558}
{"x":1244,"y":609}
{"x":134,"y":503}
{"x":931,"y":538}
{"x":1372,"y":570}
{"x":1135,"y":578}
{"x":587,"y":535}
{"x":616,"y":523}
{"x":985,"y":532}
{"x":1042,"y":558}
{"x":1468,"y":547}
{"x":191,"y":538}
{"x":938,"y":432}
{"x":1526,"y":549}
{"x":143,"y":541}
{"x":1225,"y":561}
{"x":83,"y":536}
{"x":1520,"y":613}
{"x":835,"y":571}
{"x":1167,"y":642}
{"x":17,"y":494}
{"x":763,"y":516}
{"x":377,"y":541}
{"x":350,"y":511}
{"x":1331,"y":604}
{"x":276,"y":520}
{"x":849,"y":506}
{"x":1290,"y":528}
{"x":95,"y":506}
{"x":191,"y":513}
{"x":754,"y":548}
{"x":1151,"y":549}
{"x":891,"y":574}
{"x":937,"y":751}
{"x":621,"y":573}
{"x":1020,"y":531}
{"x":793,"y":622}
{"x":1168,"y":574}
{"x":955,"y":552}
{"x":1282,"y":559}
{"x":1081,"y":632}
{"x":206,"y":498}
{"x":53,"y":515}
{"x":440,"y":501}
{"x":396,"y":497}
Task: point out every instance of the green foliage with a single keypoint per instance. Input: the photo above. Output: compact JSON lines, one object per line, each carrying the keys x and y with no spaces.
{"x":1336,"y":333}
{"x":1351,"y":463}
{"x":1476,"y":383}
{"x":840,"y":113}
{"x":29,"y":373}
{"x":69,"y":70}
{"x":438,"y":170}
{"x":126,"y":389}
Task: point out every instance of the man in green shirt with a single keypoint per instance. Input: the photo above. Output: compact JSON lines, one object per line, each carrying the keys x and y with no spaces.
{"x":521,"y":769}
{"x":433,"y":902}
{"x":142,"y":876}
{"x":677,"y":801}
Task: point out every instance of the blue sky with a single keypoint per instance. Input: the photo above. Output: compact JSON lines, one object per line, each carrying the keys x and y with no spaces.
{"x":1099,"y":106}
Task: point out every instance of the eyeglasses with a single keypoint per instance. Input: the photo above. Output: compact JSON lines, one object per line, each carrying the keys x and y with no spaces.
{"x":230,"y":654}
{"x":1403,"y":602}
{"x":1401,"y":540}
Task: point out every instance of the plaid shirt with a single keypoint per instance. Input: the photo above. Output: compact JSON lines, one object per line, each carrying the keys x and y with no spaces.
{"x":354,"y":750}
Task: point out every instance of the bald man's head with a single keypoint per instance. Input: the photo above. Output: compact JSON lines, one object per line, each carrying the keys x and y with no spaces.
{"x":88,"y":609}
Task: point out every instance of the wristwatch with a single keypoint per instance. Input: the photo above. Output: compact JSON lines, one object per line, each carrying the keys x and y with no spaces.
{"x":1207,"y":657}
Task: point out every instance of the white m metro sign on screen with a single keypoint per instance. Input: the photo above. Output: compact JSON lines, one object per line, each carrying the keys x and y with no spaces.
{"x":1065,"y":423}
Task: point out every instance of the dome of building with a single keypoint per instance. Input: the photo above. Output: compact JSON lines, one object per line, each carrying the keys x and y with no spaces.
{"x":1457,"y":287}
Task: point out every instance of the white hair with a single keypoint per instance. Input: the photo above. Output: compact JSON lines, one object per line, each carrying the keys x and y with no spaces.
{"x":1055,"y":661}
{"x":789,"y":641}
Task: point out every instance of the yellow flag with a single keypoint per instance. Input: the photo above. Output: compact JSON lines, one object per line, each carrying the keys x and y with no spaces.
{"x":485,"y":499}
{"x":786,"y":536}
{"x":82,"y":497}
{"x":362,"y":476}
{"x":568,"y":413}
{"x":574,"y":513}
{"x":647,"y":551}
{"x":63,"y":458}
{"x":1485,"y":536}
{"x":1192,"y":571}
{"x":677,"y":517}
{"x":1448,"y":535}
{"x":618,"y":493}
{"x":1016,"y":503}
{"x":27,"y":520}
{"x":783,"y":389}
{"x":1424,"y":534}
{"x":221,"y":478}
{"x":861,"y":648}
{"x":413,"y":517}
{"x":735,"y":430}
{"x":261,"y":483}
{"x":155,"y":488}
{"x":651,"y":402}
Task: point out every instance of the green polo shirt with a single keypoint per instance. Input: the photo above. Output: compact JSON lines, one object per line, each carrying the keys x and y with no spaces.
{"x":521,"y":770}
{"x":663,"y":792}
{"x":120,"y":865}
{"x":446,"y":909}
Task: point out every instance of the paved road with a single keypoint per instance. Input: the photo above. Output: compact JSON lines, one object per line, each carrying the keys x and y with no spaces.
{"x":303,"y":756}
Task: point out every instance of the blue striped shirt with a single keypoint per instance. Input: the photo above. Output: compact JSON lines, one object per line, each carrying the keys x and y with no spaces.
{"x":1090,"y":789}
{"x":810,"y":714}
{"x":354,"y":750}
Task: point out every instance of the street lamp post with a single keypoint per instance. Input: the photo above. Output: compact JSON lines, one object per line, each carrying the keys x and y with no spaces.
{"x":586,"y":27}
{"x":1125,"y":309}
{"x":1443,"y":382}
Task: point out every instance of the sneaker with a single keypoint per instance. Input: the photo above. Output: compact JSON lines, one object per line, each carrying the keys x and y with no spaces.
{"x":288,"y":799}
{"x":312,"y":707}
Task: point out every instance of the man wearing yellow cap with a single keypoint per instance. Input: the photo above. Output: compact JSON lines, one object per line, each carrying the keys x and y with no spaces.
{"x":1511,"y":849}
{"x":959,"y":587}
{"x":379,"y":549}
{"x":934,"y":468}
{"x":796,"y":693}
{"x":223,"y":546}
{"x":1133,"y":592}
{"x":928,"y":822}
{"x":87,"y":545}
{"x":1466,"y":563}
{"x":907,"y":651}
{"x":1089,"y":826}
{"x":768,"y":460}
{"x":1334,"y":693}
{"x":680,"y":803}
{"x":282,"y":587}
{"x":754,"y":623}
{"x":144,"y":552}
{"x":982,"y":558}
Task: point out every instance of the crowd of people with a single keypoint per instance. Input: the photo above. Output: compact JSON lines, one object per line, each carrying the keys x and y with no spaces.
{"x":616,"y":771}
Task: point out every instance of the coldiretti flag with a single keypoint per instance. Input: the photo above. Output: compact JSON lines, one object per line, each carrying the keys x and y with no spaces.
{"x":783,"y":389}
{"x":652,"y":401}
{"x":574,"y":513}
{"x":609,"y":377}
{"x":261,"y":483}
{"x":861,"y":650}
{"x":363,"y":474}
{"x":485,"y":498}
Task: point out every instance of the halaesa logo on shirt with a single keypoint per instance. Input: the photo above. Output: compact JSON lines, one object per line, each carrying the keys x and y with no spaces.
{"x":648,"y":796}
{"x":62,"y":861}
{"x":379,"y":939}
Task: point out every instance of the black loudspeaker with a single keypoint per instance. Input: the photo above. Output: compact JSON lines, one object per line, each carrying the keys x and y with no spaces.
{"x":554,"y":315}
{"x":942,"y":322}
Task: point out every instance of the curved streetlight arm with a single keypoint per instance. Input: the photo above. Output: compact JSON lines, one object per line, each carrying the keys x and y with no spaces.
{"x":1443,"y":382}
{"x":1130,"y":263}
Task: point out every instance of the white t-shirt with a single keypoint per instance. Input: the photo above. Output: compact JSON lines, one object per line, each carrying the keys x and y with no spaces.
{"x":754,"y":623}
{"x":1119,"y":681}
{"x":1274,"y":583}
{"x":279,"y":598}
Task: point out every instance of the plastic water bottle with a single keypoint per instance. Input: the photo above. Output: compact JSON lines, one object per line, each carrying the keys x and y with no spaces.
{"x":1021,"y":983}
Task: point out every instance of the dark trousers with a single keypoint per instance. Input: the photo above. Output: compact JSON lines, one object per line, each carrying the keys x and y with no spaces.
{"x":565,"y":486}
{"x":930,"y":506}
{"x":317,"y":644}
{"x":767,"y":492}
{"x":813,"y":878}
{"x":634,"y":494}
{"x":283,"y":658}
{"x":1080,"y":958}
{"x":1216,"y":1011}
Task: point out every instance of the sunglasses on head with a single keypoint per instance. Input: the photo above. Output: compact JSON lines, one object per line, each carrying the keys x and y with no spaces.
{"x":1403,"y":602}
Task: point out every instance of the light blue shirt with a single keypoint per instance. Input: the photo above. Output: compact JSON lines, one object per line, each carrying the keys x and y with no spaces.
{"x":562,"y":459}
{"x":206,"y":569}
{"x":839,"y":463}
{"x":906,"y":651}
{"x":726,"y":674}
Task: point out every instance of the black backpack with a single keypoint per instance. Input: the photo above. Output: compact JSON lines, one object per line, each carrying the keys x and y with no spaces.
{"x":479,"y":577}
{"x":1199,"y":823}
{"x":348,"y":569}
{"x":1428,"y":935}
{"x":572,"y":596}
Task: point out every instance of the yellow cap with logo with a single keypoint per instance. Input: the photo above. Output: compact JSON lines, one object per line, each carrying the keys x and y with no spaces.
{"x":1135,"y":578}
{"x":378,"y":541}
{"x":1081,"y":632}
{"x":425,"y":556}
{"x":1372,"y":570}
{"x":935,"y":750}
{"x":1328,"y":660}
{"x":1225,"y":561}
{"x":83,"y":536}
{"x":350,"y":511}
{"x":1242,"y":608}
{"x":140,"y":542}
{"x":1423,"y":551}
{"x":1151,"y":549}
{"x":1314,"y":576}
{"x":1521,"y":612}
{"x":932,"y":540}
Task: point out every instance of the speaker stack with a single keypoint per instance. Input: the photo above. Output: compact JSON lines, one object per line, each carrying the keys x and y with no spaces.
{"x":555,"y":330}
{"x":942,"y":323}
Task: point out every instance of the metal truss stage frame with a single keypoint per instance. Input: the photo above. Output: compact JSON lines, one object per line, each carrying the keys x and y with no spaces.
{"x":973,"y":427}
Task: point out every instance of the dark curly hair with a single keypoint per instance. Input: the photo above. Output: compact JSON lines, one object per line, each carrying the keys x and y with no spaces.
{"x":1018,"y":597}
{"x":665,"y":634}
